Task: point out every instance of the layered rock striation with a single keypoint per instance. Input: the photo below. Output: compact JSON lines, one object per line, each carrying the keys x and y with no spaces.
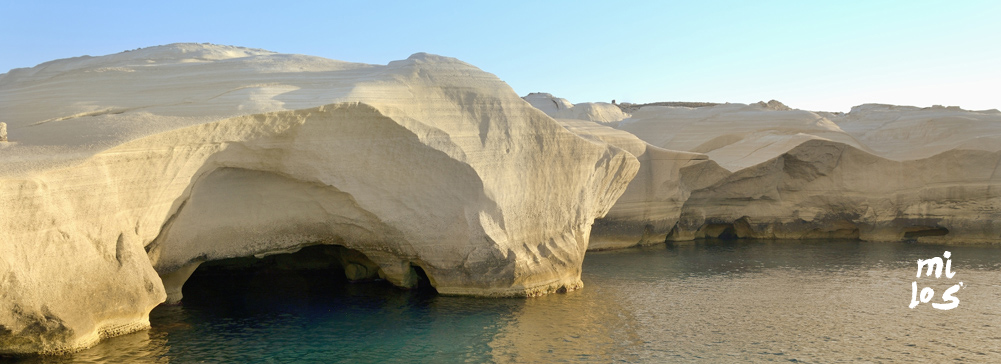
{"x":879,"y":172}
{"x":125,"y":172}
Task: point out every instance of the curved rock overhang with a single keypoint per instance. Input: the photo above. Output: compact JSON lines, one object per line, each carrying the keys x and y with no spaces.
{"x":258,"y":185}
{"x":126,"y":168}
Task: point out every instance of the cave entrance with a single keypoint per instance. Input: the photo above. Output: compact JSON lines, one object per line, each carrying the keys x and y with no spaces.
{"x":916,"y":232}
{"x":313,"y":278}
{"x":722,"y":231}
{"x":737,"y":229}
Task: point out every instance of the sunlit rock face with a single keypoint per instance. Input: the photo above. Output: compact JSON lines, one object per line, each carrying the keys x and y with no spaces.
{"x":123,"y":173}
{"x":880,"y":172}
{"x":652,"y":204}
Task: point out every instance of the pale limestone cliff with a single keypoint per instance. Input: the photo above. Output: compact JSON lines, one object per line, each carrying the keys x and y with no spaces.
{"x":764,"y":170}
{"x":652,"y":204}
{"x":132,"y":169}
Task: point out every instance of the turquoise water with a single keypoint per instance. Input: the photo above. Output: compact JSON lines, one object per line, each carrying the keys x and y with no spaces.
{"x":759,"y":301}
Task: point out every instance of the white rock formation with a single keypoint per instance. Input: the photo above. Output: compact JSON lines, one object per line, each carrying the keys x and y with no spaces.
{"x":652,"y":204}
{"x":559,"y":108}
{"x":877,"y":173}
{"x":129,"y":170}
{"x":910,"y":133}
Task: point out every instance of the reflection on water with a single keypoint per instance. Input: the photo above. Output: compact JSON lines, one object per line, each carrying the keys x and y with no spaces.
{"x":820,"y":301}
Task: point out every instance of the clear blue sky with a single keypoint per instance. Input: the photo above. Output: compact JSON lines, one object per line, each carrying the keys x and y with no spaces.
{"x":808,"y":54}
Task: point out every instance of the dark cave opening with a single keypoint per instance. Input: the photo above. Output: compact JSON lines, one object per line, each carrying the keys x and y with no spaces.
{"x":423,"y":282}
{"x":722,"y":231}
{"x":729,"y":233}
{"x":924,"y":231}
{"x":313,"y":278}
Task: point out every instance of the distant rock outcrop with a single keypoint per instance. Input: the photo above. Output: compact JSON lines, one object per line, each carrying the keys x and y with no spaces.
{"x":599,"y":112}
{"x":773,"y":105}
{"x":880,"y":172}
{"x":132,"y":169}
{"x":630,"y":108}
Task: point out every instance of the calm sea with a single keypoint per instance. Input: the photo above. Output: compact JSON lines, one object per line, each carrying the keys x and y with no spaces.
{"x":757,"y":301}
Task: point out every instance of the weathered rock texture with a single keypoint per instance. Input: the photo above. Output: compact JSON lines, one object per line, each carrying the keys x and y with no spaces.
{"x":652,"y":204}
{"x":880,"y":172}
{"x":129,"y":170}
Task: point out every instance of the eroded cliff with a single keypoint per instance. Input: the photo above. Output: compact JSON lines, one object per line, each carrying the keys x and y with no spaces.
{"x":880,"y":173}
{"x":125,"y":172}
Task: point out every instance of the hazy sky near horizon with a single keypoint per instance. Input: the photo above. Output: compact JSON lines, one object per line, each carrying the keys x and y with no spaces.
{"x":808,"y":54}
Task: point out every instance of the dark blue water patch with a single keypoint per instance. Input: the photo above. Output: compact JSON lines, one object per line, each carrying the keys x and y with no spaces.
{"x":296,"y":316}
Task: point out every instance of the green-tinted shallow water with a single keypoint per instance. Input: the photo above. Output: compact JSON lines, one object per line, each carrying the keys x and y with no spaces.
{"x":759,"y":301}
